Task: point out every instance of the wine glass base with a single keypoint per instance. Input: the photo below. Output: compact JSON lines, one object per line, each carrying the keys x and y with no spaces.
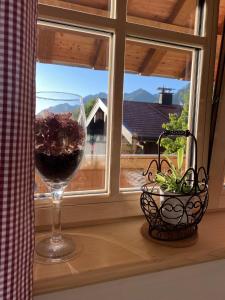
{"x":50,"y":251}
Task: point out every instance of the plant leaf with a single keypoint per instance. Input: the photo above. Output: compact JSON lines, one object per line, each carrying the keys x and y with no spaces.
{"x":180,"y":158}
{"x":160,"y":178}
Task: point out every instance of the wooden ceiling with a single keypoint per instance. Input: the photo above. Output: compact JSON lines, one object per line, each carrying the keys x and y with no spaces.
{"x":66,"y":47}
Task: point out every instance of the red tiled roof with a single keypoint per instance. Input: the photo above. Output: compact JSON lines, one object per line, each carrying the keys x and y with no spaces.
{"x":145,"y":119}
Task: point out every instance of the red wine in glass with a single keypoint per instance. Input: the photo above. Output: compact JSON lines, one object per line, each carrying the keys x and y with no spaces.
{"x":60,"y":135}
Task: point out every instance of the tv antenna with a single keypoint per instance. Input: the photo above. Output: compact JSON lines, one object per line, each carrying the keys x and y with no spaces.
{"x":165,"y":90}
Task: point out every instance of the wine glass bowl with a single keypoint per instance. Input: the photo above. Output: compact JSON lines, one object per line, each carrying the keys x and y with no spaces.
{"x":60,"y":136}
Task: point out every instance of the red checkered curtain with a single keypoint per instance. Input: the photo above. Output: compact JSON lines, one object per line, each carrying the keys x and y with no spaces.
{"x":17,"y":102}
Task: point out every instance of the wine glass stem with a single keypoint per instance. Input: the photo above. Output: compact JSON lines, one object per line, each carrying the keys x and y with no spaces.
{"x":56,"y":214}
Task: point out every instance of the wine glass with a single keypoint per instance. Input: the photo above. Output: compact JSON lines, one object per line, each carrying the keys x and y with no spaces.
{"x":60,"y":136}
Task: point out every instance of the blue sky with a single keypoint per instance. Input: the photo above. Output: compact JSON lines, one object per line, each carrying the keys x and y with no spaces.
{"x":84,"y":81}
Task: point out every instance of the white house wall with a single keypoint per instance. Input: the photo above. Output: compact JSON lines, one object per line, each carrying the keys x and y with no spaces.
{"x":99,"y":104}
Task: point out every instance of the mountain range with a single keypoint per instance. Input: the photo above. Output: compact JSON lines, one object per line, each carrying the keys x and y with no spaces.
{"x":141,"y":95}
{"x":62,"y":108}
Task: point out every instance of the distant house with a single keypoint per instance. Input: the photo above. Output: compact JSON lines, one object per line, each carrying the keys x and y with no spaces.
{"x":142,"y":123}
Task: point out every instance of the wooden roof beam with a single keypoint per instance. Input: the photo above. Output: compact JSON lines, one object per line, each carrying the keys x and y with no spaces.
{"x":151,"y":61}
{"x":46,"y":43}
{"x":99,"y":46}
{"x":146,"y":60}
{"x":186,"y":72}
{"x":176,"y":10}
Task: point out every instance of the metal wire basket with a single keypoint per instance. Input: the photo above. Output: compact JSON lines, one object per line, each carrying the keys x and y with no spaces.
{"x":174,"y":216}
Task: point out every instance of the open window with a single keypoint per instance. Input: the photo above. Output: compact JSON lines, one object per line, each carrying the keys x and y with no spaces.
{"x":116,"y":48}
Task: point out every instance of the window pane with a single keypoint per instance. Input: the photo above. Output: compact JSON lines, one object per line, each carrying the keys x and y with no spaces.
{"x":77,"y":62}
{"x":154,"y":102}
{"x":176,"y":15}
{"x":94,"y":7}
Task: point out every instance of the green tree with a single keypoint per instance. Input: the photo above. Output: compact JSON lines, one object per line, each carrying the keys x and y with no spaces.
{"x":75,"y":113}
{"x":177,"y":123}
{"x":88,"y":106}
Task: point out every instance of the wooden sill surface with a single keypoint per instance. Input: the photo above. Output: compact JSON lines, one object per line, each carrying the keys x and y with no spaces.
{"x":117,"y":250}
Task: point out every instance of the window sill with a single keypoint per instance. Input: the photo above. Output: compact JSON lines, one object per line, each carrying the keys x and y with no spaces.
{"x":116,"y":250}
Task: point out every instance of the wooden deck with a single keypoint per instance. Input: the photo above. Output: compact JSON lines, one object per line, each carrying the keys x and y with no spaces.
{"x":91,"y":175}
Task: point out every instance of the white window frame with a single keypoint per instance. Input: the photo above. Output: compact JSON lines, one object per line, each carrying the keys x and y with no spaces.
{"x":115,"y":203}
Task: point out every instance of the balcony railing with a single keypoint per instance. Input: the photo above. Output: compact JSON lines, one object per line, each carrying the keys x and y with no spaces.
{"x":91,"y":175}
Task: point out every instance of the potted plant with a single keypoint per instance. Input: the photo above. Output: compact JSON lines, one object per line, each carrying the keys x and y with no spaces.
{"x":183,"y":194}
{"x":176,"y":197}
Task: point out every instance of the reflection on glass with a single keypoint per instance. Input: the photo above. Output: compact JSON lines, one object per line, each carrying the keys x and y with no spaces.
{"x":153,"y":102}
{"x":77,"y":62}
{"x":175,"y":15}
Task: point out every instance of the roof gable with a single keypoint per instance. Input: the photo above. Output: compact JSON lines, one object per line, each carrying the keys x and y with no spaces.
{"x":141,"y":119}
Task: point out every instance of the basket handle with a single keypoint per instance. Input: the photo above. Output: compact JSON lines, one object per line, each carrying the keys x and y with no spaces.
{"x":176,"y":133}
{"x":185,"y":133}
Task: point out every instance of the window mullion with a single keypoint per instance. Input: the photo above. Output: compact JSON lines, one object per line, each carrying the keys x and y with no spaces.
{"x":76,"y":18}
{"x":166,"y":36}
{"x":116,"y":98}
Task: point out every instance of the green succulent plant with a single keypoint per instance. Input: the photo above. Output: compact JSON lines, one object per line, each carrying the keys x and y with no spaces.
{"x":171,"y":180}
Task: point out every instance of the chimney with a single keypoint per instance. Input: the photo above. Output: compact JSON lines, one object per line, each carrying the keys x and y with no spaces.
{"x":165,"y":96}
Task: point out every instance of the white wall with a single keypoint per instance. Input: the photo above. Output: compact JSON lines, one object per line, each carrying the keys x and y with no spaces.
{"x":201,"y":282}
